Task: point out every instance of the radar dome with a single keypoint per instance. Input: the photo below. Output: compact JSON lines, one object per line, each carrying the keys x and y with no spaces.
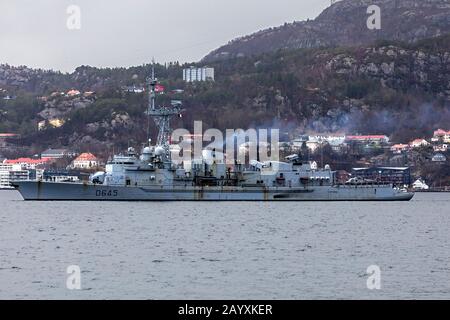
{"x":159,"y":151}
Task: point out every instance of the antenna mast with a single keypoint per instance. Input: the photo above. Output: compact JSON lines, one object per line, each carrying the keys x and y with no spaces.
{"x":161,"y":115}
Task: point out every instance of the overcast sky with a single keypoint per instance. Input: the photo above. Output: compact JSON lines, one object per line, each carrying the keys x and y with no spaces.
{"x":131,"y":32}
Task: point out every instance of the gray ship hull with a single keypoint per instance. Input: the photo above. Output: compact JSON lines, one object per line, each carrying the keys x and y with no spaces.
{"x":48,"y":191}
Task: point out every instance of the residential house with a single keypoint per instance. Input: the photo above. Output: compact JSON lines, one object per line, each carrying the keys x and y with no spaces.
{"x":441,"y":135}
{"x":85,"y":161}
{"x":42,"y":125}
{"x":419,"y":184}
{"x":133,"y":89}
{"x":88,"y":94}
{"x":399,"y":148}
{"x":28,"y":163}
{"x":440,"y":147}
{"x":55,"y":123}
{"x":418,"y":143}
{"x":73,"y":93}
{"x":56,"y":94}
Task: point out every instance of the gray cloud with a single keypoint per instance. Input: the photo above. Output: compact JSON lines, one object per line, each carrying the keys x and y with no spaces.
{"x":131,"y":32}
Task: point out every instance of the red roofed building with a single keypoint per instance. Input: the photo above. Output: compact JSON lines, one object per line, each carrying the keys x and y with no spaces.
{"x":441,"y":135}
{"x":399,"y":148}
{"x":28,"y":163}
{"x":417,"y":143}
{"x":73,"y":93}
{"x":85,"y":161}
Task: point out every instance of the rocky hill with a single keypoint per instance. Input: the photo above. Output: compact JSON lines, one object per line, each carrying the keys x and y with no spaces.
{"x":393,"y":88}
{"x":399,"y":89}
{"x":345,"y":24}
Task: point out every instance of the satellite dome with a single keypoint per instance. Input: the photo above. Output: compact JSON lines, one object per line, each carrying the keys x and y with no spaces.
{"x":159,"y":151}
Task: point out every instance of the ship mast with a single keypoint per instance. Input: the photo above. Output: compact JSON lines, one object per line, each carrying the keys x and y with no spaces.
{"x":161,"y":115}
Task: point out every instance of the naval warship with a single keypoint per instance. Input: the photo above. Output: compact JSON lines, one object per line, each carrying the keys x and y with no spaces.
{"x":153,"y":176}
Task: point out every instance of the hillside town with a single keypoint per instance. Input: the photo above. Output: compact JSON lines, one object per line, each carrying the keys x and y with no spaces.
{"x":421,"y":164}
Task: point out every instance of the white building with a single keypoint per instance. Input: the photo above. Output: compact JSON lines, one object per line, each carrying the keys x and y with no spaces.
{"x":420,"y":185}
{"x":11,"y":172}
{"x":133,"y":89}
{"x":85,"y":161}
{"x":417,"y":143}
{"x":193,"y":74}
{"x":399,"y":148}
{"x":441,"y":147}
{"x":73,"y":93}
{"x":441,"y":136}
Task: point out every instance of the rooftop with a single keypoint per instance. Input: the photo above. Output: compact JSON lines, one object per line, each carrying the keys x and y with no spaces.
{"x":382,"y":168}
{"x":441,"y":132}
{"x":366,"y":137}
{"x":86,"y":157}
{"x":419,"y":140}
{"x":8,"y":135}
{"x":54,"y":151}
{"x":27,"y":161}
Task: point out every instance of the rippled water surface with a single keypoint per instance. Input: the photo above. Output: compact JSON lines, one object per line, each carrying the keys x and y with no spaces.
{"x":212,"y":250}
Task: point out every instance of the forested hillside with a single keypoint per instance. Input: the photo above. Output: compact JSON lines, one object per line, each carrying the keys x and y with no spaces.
{"x":398,"y":89}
